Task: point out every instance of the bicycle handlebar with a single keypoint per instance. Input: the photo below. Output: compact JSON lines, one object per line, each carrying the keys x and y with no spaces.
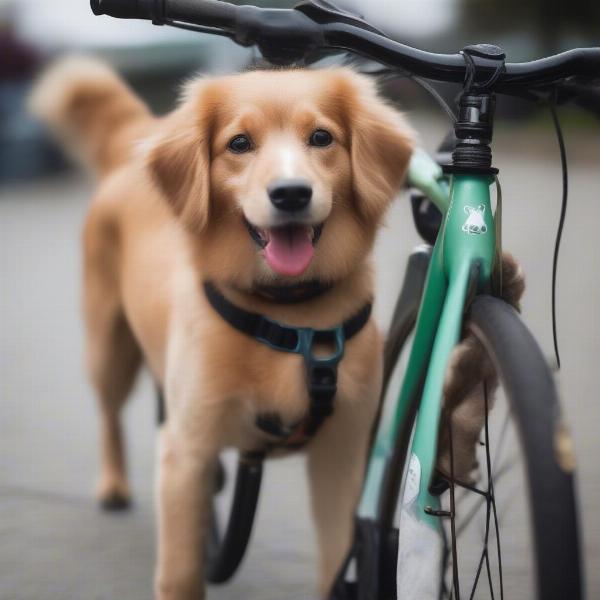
{"x":287,"y":35}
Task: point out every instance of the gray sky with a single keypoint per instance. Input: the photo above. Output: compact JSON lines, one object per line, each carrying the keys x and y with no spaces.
{"x":417,"y":17}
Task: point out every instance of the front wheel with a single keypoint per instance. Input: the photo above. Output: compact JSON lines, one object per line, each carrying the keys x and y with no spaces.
{"x":511,"y":530}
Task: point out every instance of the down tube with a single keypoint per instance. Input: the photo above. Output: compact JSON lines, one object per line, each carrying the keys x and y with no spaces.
{"x":393,"y":416}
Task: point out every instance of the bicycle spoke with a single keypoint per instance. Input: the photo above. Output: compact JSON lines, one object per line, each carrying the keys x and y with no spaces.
{"x":484,"y":553}
{"x":471,"y":488}
{"x":480,"y":565}
{"x":484,"y":496}
{"x":489,"y":573}
{"x":466,"y":521}
{"x":498,"y":547}
{"x":491,"y":499}
{"x":453,"y":518}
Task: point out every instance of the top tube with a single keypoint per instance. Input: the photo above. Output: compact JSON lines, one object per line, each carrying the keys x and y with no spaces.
{"x":288,"y":35}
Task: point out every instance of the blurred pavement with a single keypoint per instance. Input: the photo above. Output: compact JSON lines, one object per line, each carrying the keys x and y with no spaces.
{"x":54,"y":542}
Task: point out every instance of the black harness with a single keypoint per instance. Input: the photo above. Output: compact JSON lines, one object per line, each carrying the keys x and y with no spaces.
{"x":321,"y":372}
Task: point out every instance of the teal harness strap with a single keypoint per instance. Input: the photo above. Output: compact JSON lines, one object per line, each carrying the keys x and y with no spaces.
{"x":321,"y":372}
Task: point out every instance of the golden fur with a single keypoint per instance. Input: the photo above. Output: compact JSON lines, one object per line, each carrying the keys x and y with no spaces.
{"x":167,"y":215}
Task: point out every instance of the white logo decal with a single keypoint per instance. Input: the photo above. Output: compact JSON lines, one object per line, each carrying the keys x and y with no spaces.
{"x":475,"y":224}
{"x":413,"y":481}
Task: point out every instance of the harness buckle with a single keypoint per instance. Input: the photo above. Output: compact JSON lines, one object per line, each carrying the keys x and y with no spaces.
{"x":321,"y":371}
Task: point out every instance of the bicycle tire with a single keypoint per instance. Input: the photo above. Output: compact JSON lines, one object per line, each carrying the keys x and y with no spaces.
{"x":535,"y":407}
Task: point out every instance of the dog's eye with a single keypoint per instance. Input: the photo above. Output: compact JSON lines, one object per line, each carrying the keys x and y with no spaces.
{"x":240,"y":144}
{"x":320,"y":137}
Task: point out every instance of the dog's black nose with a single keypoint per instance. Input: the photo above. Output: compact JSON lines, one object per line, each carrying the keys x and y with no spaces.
{"x":290,"y":195}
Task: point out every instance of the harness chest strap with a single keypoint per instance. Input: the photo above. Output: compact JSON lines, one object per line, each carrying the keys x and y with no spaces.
{"x":321,"y":372}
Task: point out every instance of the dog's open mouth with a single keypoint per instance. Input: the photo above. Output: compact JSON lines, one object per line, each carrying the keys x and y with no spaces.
{"x":288,"y":249}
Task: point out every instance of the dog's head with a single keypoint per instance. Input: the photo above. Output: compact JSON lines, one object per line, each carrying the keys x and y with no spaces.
{"x":282,"y":175}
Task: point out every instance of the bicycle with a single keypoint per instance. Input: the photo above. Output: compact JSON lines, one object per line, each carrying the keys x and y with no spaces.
{"x":450,"y":284}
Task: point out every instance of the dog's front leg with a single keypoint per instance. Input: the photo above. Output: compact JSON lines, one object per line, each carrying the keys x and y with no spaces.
{"x":336,"y":466}
{"x":186,"y":461}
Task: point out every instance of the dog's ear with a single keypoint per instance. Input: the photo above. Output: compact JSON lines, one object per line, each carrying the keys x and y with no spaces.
{"x":381,"y":144}
{"x":179,"y":159}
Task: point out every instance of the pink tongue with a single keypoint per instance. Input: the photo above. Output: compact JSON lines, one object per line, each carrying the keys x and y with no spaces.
{"x":289,"y":250}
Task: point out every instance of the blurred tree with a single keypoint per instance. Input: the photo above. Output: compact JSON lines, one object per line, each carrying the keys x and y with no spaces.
{"x":549,"y":20}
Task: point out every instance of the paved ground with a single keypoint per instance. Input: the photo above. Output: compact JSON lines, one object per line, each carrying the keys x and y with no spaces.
{"x":55,"y":544}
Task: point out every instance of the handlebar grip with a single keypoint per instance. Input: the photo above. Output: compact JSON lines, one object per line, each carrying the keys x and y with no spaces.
{"x":211,"y":13}
{"x":124,"y":9}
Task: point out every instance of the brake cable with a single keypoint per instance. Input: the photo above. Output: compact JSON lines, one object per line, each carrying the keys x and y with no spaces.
{"x":436,"y":96}
{"x":563,"y":212}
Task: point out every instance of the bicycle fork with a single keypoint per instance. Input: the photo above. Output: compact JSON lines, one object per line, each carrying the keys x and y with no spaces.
{"x":461,"y":264}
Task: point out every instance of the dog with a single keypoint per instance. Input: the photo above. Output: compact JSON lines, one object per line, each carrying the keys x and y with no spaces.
{"x":255,"y":182}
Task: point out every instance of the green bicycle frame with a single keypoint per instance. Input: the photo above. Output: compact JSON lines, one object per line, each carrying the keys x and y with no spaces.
{"x":465,"y":245}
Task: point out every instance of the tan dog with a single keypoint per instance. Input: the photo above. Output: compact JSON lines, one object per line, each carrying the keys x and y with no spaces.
{"x":188,"y":198}
{"x":174,"y":200}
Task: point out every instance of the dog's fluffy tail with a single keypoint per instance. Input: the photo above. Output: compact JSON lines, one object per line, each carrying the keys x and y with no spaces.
{"x":92,"y":111}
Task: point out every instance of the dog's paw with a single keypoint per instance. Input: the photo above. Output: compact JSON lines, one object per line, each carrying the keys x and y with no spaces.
{"x":464,"y":400}
{"x":113,"y":495}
